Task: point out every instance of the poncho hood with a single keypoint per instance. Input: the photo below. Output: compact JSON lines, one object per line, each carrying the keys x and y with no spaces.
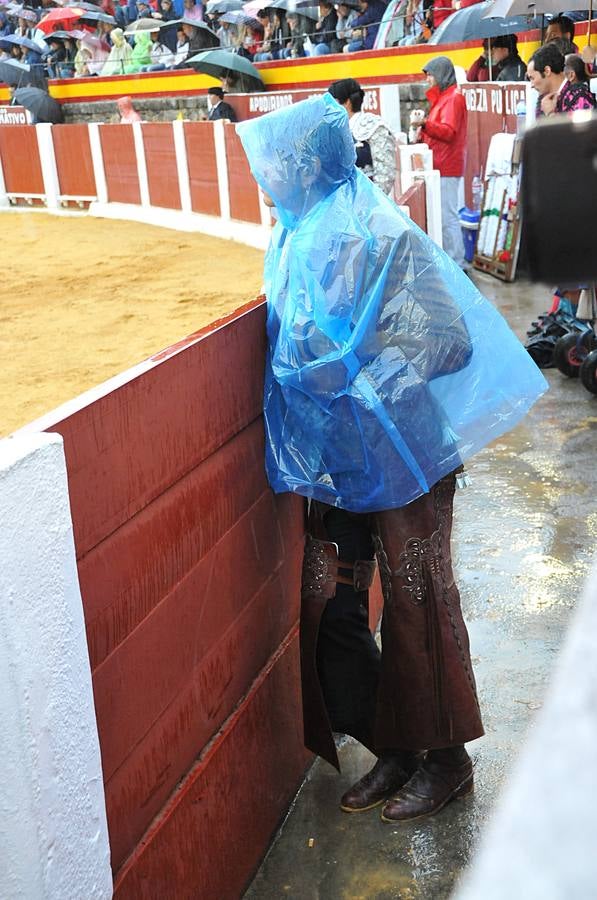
{"x":442,"y":70}
{"x":386,"y":368}
{"x":300,"y":154}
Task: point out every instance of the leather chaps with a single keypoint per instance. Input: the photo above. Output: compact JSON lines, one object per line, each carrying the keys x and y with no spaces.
{"x":419,"y":693}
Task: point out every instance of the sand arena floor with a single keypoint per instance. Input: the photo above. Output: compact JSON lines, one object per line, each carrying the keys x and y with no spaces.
{"x":83,"y":299}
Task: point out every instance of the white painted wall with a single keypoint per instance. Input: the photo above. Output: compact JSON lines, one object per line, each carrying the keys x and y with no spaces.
{"x":53,"y":831}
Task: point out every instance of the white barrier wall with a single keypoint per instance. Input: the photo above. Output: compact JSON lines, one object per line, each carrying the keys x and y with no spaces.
{"x":541,"y":843}
{"x":53,"y":832}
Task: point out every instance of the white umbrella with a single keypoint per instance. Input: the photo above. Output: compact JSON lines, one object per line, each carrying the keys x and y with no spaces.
{"x":499,"y":9}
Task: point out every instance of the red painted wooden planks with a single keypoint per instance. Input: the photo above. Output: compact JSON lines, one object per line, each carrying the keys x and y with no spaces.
{"x":120,"y":163}
{"x":143,"y":783}
{"x":73,"y":160}
{"x":244,"y":196}
{"x":127,"y":575}
{"x":160,"y":160}
{"x":19,"y":153}
{"x":158,"y":658}
{"x":212,"y":835}
{"x":415,"y":199}
{"x":126,"y":448}
{"x":203,"y":172}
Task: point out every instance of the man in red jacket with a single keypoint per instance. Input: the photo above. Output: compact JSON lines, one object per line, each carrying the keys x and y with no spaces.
{"x":444,"y":131}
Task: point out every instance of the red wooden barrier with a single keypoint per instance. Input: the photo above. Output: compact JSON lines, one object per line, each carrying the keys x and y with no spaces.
{"x":244,"y":196}
{"x":120,"y":163}
{"x":73,"y":160}
{"x":19,"y":153}
{"x":160,"y":159}
{"x":415,"y":199}
{"x":190,"y":578}
{"x":203,"y":172}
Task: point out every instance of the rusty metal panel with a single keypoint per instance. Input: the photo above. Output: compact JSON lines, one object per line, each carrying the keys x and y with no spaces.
{"x":120,"y":163}
{"x":160,"y":159}
{"x":19,"y":153}
{"x":203,"y":171}
{"x":244,"y":196}
{"x":73,"y":160}
{"x":211,"y":836}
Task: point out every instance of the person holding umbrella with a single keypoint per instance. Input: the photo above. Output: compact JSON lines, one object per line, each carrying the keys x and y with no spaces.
{"x":444,"y":132}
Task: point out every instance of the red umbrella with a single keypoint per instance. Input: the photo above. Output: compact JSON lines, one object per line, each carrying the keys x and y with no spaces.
{"x":48,"y":23}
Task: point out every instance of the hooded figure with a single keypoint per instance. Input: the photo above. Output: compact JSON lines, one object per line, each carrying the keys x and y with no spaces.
{"x":120,"y":54}
{"x":141,"y":53}
{"x":382,"y":376}
{"x":380,"y":325}
{"x":444,"y":131}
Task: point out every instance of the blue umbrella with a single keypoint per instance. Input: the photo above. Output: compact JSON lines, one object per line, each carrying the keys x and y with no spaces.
{"x":468,"y":24}
{"x":24,"y":42}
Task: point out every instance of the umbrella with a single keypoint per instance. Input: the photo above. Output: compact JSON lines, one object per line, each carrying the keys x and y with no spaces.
{"x":469,"y":24}
{"x":500,"y":8}
{"x":14,"y":73}
{"x":144,"y":25}
{"x":92,"y":7}
{"x":24,"y":42}
{"x":305,"y":8}
{"x":94,"y":42}
{"x":59,"y":15}
{"x":219,"y":62}
{"x":28,"y":15}
{"x":223,"y":6}
{"x":98,"y":17}
{"x":38,"y":102}
{"x":62,"y":35}
{"x":238,"y":17}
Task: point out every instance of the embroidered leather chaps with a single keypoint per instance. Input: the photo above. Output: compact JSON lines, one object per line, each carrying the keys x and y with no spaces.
{"x":419,"y":693}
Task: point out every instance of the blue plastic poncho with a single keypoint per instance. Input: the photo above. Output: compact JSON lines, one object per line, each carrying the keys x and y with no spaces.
{"x":386,"y":368}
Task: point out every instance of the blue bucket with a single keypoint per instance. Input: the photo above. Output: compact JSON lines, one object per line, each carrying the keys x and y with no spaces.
{"x":469,"y":222}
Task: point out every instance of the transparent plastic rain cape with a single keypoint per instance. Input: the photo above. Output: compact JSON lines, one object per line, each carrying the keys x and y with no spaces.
{"x":386,"y":367}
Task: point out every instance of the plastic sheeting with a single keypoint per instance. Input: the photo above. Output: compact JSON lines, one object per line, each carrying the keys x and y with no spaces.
{"x":386,"y":368}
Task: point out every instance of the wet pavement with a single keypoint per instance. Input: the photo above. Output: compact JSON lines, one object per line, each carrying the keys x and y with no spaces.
{"x":523,"y":542}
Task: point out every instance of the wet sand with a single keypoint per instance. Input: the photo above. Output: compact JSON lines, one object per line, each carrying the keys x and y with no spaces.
{"x":84,"y":299}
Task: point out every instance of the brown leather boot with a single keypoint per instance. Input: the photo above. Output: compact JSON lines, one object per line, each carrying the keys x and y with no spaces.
{"x":389,"y":774}
{"x":443,"y":776}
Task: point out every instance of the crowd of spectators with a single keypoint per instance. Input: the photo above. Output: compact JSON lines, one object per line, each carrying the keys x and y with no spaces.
{"x":99,"y":44}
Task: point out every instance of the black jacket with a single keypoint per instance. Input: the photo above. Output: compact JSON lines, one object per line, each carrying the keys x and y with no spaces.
{"x":512,"y":69}
{"x":222,"y":111}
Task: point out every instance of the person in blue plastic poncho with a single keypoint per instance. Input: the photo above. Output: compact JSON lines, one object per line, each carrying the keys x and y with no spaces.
{"x":386,"y":369}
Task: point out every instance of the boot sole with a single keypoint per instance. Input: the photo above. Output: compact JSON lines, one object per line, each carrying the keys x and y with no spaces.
{"x":461,"y":793}
{"x":359,"y":809}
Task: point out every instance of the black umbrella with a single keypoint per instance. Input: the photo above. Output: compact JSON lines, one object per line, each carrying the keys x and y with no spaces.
{"x":38,"y":102}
